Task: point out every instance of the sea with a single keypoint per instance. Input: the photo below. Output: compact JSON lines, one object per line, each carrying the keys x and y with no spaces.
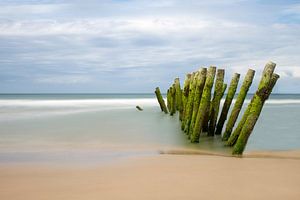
{"x":101,"y":128}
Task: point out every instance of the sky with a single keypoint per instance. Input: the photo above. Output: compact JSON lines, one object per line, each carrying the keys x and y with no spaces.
{"x":132,"y":46}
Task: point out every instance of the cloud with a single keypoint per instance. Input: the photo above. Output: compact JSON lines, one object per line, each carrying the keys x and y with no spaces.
{"x":63,"y":79}
{"x":141,"y":43}
{"x":15,"y":10}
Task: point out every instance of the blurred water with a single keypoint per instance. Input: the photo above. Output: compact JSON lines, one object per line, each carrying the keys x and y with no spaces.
{"x":107,"y":126}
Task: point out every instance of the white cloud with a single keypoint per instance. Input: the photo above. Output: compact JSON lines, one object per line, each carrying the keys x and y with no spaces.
{"x":151,"y":40}
{"x":17,"y":10}
{"x":294,"y":9}
{"x":63,"y":79}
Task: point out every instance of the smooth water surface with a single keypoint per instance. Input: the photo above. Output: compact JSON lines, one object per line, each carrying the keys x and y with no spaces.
{"x":101,"y":127}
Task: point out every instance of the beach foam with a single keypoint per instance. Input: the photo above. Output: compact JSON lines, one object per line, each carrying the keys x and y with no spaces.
{"x":107,"y":102}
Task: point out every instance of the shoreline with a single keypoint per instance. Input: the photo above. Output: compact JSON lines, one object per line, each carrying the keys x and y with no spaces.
{"x":276,"y":154}
{"x":96,"y":157}
{"x":161,"y":176}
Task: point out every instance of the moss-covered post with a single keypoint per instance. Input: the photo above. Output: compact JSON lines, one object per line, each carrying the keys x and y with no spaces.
{"x":206,"y":117}
{"x":171,"y":91}
{"x":169,"y":100}
{"x":173,"y":97}
{"x":230,"y":95}
{"x":178,"y":94}
{"x":238,"y":104}
{"x":235,"y":134}
{"x":189,"y":93}
{"x":185,"y":94}
{"x":259,"y":99}
{"x":206,"y":95}
{"x":161,"y":101}
{"x":215,"y":104}
{"x":197,"y":98}
{"x":266,"y":78}
{"x":190,"y":103}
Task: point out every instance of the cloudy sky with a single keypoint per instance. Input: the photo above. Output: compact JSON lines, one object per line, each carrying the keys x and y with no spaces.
{"x":136,"y":45}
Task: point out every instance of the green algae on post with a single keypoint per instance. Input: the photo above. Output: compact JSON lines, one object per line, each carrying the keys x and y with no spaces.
{"x":185,"y":93}
{"x":264,"y":82}
{"x":226,"y":106}
{"x":169,"y":99}
{"x":257,"y":104}
{"x":206,"y":95}
{"x":238,"y":104}
{"x":198,"y":113}
{"x":190,"y":103}
{"x":161,"y":101}
{"x":215,"y":104}
{"x":206,"y":118}
{"x":197,"y":98}
{"x":188,"y":92}
{"x":173,"y":99}
{"x":178,"y":94}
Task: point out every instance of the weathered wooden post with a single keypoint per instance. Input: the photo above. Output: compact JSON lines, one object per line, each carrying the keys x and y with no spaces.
{"x":188,"y":99}
{"x":178,"y":96}
{"x":161,"y":101}
{"x":206,"y":117}
{"x":169,"y":100}
{"x":266,"y":77}
{"x":235,"y":134}
{"x":185,"y":94}
{"x":190,"y":103}
{"x":173,"y":97}
{"x":215,"y":104}
{"x":257,"y":104}
{"x":139,"y":108}
{"x":197,"y":98}
{"x":238,"y":104}
{"x":206,"y":95}
{"x":230,"y":95}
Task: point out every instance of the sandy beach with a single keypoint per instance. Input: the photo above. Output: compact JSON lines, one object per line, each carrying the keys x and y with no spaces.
{"x":257,"y":176}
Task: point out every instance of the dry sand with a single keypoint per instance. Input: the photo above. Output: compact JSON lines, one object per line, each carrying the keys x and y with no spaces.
{"x":159,"y":177}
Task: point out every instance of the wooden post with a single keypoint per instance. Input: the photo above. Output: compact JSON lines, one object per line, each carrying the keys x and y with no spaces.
{"x":257,"y":104}
{"x":230,"y":95}
{"x":189,"y":92}
{"x":266,"y":77}
{"x":216,"y":101}
{"x":235,"y":134}
{"x":161,"y":101}
{"x":173,"y":97}
{"x":206,"y":117}
{"x":185,"y":94}
{"x":171,"y":100}
{"x":168,"y":100}
{"x":206,"y":95}
{"x":197,"y":98}
{"x":190,"y":103}
{"x":139,"y":108}
{"x":238,"y":104}
{"x":178,"y":94}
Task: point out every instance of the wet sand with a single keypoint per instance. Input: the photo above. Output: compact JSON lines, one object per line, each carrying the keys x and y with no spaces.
{"x":260,"y":175}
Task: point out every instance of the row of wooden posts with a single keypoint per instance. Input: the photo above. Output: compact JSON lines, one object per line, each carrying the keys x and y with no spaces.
{"x":199,"y":109}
